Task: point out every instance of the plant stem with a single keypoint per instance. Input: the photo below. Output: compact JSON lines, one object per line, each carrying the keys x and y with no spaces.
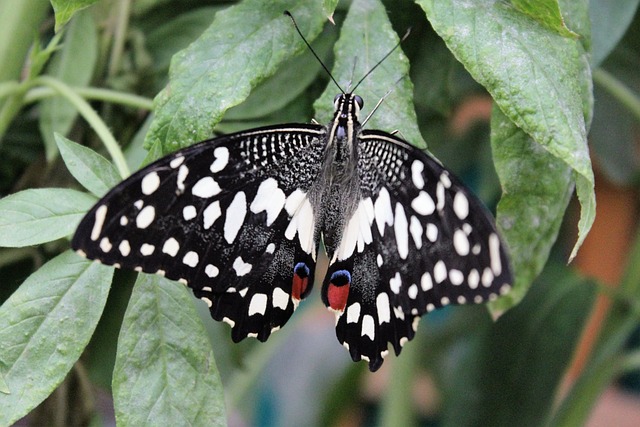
{"x":107,"y":95}
{"x":619,"y":90}
{"x":92,"y":118}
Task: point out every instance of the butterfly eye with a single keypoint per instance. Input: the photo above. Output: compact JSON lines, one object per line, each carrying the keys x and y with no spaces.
{"x":359,"y":101}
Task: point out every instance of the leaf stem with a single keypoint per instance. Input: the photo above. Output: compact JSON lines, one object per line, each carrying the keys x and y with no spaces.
{"x":92,"y":118}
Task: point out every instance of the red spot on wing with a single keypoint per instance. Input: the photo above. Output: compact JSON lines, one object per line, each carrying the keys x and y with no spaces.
{"x":337,"y":296}
{"x":299,"y":286}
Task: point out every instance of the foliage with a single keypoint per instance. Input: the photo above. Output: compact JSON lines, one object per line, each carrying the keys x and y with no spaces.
{"x":90,"y":78}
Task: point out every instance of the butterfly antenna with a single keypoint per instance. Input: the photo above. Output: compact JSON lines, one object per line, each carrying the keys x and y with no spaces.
{"x":382,"y":60}
{"x":286,"y":12}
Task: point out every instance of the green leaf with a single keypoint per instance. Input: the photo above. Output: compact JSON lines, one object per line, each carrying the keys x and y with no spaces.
{"x":512,"y":374}
{"x":295,"y":77}
{"x":547,"y":12}
{"x":539,"y":79}
{"x":73,"y":64}
{"x":609,"y":22}
{"x":36,"y":216}
{"x":537,"y":188}
{"x":44,"y":327}
{"x":93,"y":171}
{"x":244,"y":45}
{"x":65,"y":9}
{"x":165,"y":372}
{"x":365,"y":38}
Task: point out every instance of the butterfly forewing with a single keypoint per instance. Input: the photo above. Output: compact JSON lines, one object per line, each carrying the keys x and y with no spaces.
{"x":229,"y":217}
{"x":418,"y":240}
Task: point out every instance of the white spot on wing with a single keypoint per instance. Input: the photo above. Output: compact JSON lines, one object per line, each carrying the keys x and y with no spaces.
{"x":182,"y":175}
{"x":382,"y":305}
{"x":456,"y":277}
{"x":473,"y":279}
{"x":241,"y":267}
{"x":171,"y":247}
{"x":383,"y":211}
{"x":269,"y":198}
{"x":146,"y":249}
{"x":487,"y":277}
{"x":211,"y":270}
{"x":439,"y":271}
{"x":150,"y":183}
{"x":211,"y":214}
{"x":105,"y":244}
{"x":258,"y":304}
{"x":426,"y":282}
{"x":415,"y":228}
{"x":400,"y":227}
{"x":440,"y":196}
{"x":461,"y":242}
{"x":294,"y":201}
{"x":145,"y":217}
{"x":191,"y":259}
{"x":413,"y":291}
{"x":416,"y":174}
{"x":494,"y":254}
{"x":176,"y":162}
{"x":368,"y":327}
{"x":280,"y":299}
{"x":432,"y":232}
{"x":205,"y":187}
{"x":189,"y":212}
{"x":353,"y":313}
{"x":395,"y":283}
{"x":379,"y":260}
{"x":100,"y":215}
{"x":461,"y":205}
{"x":302,"y":222}
{"x":270,"y":248}
{"x":124,"y":248}
{"x":221,"y":155}
{"x":235,"y":214}
{"x":423,"y":204}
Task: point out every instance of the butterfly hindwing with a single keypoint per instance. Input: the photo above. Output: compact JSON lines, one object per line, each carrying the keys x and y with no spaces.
{"x":418,"y":240}
{"x":229,"y":217}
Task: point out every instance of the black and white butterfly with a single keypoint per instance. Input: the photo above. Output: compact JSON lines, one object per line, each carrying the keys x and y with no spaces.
{"x":240,"y":218}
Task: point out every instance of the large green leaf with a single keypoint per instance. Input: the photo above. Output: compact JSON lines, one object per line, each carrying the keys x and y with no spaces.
{"x":366,"y":37}
{"x":537,"y":188}
{"x":93,"y":171}
{"x":512,"y":375}
{"x":244,"y":45}
{"x":73,"y":64}
{"x":36,"y":216}
{"x":539,"y":79}
{"x":44,"y":327}
{"x":165,"y":373}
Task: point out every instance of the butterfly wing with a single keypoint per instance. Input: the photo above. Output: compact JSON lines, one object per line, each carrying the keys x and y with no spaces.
{"x":228,"y":217}
{"x":418,"y":240}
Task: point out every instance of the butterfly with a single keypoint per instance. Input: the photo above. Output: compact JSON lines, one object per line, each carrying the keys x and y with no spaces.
{"x":240,"y":219}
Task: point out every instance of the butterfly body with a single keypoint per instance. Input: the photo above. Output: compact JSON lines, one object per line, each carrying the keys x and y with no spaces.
{"x":240,"y":219}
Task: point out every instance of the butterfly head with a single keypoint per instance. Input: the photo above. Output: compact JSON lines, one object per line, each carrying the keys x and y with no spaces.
{"x":345,"y":118}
